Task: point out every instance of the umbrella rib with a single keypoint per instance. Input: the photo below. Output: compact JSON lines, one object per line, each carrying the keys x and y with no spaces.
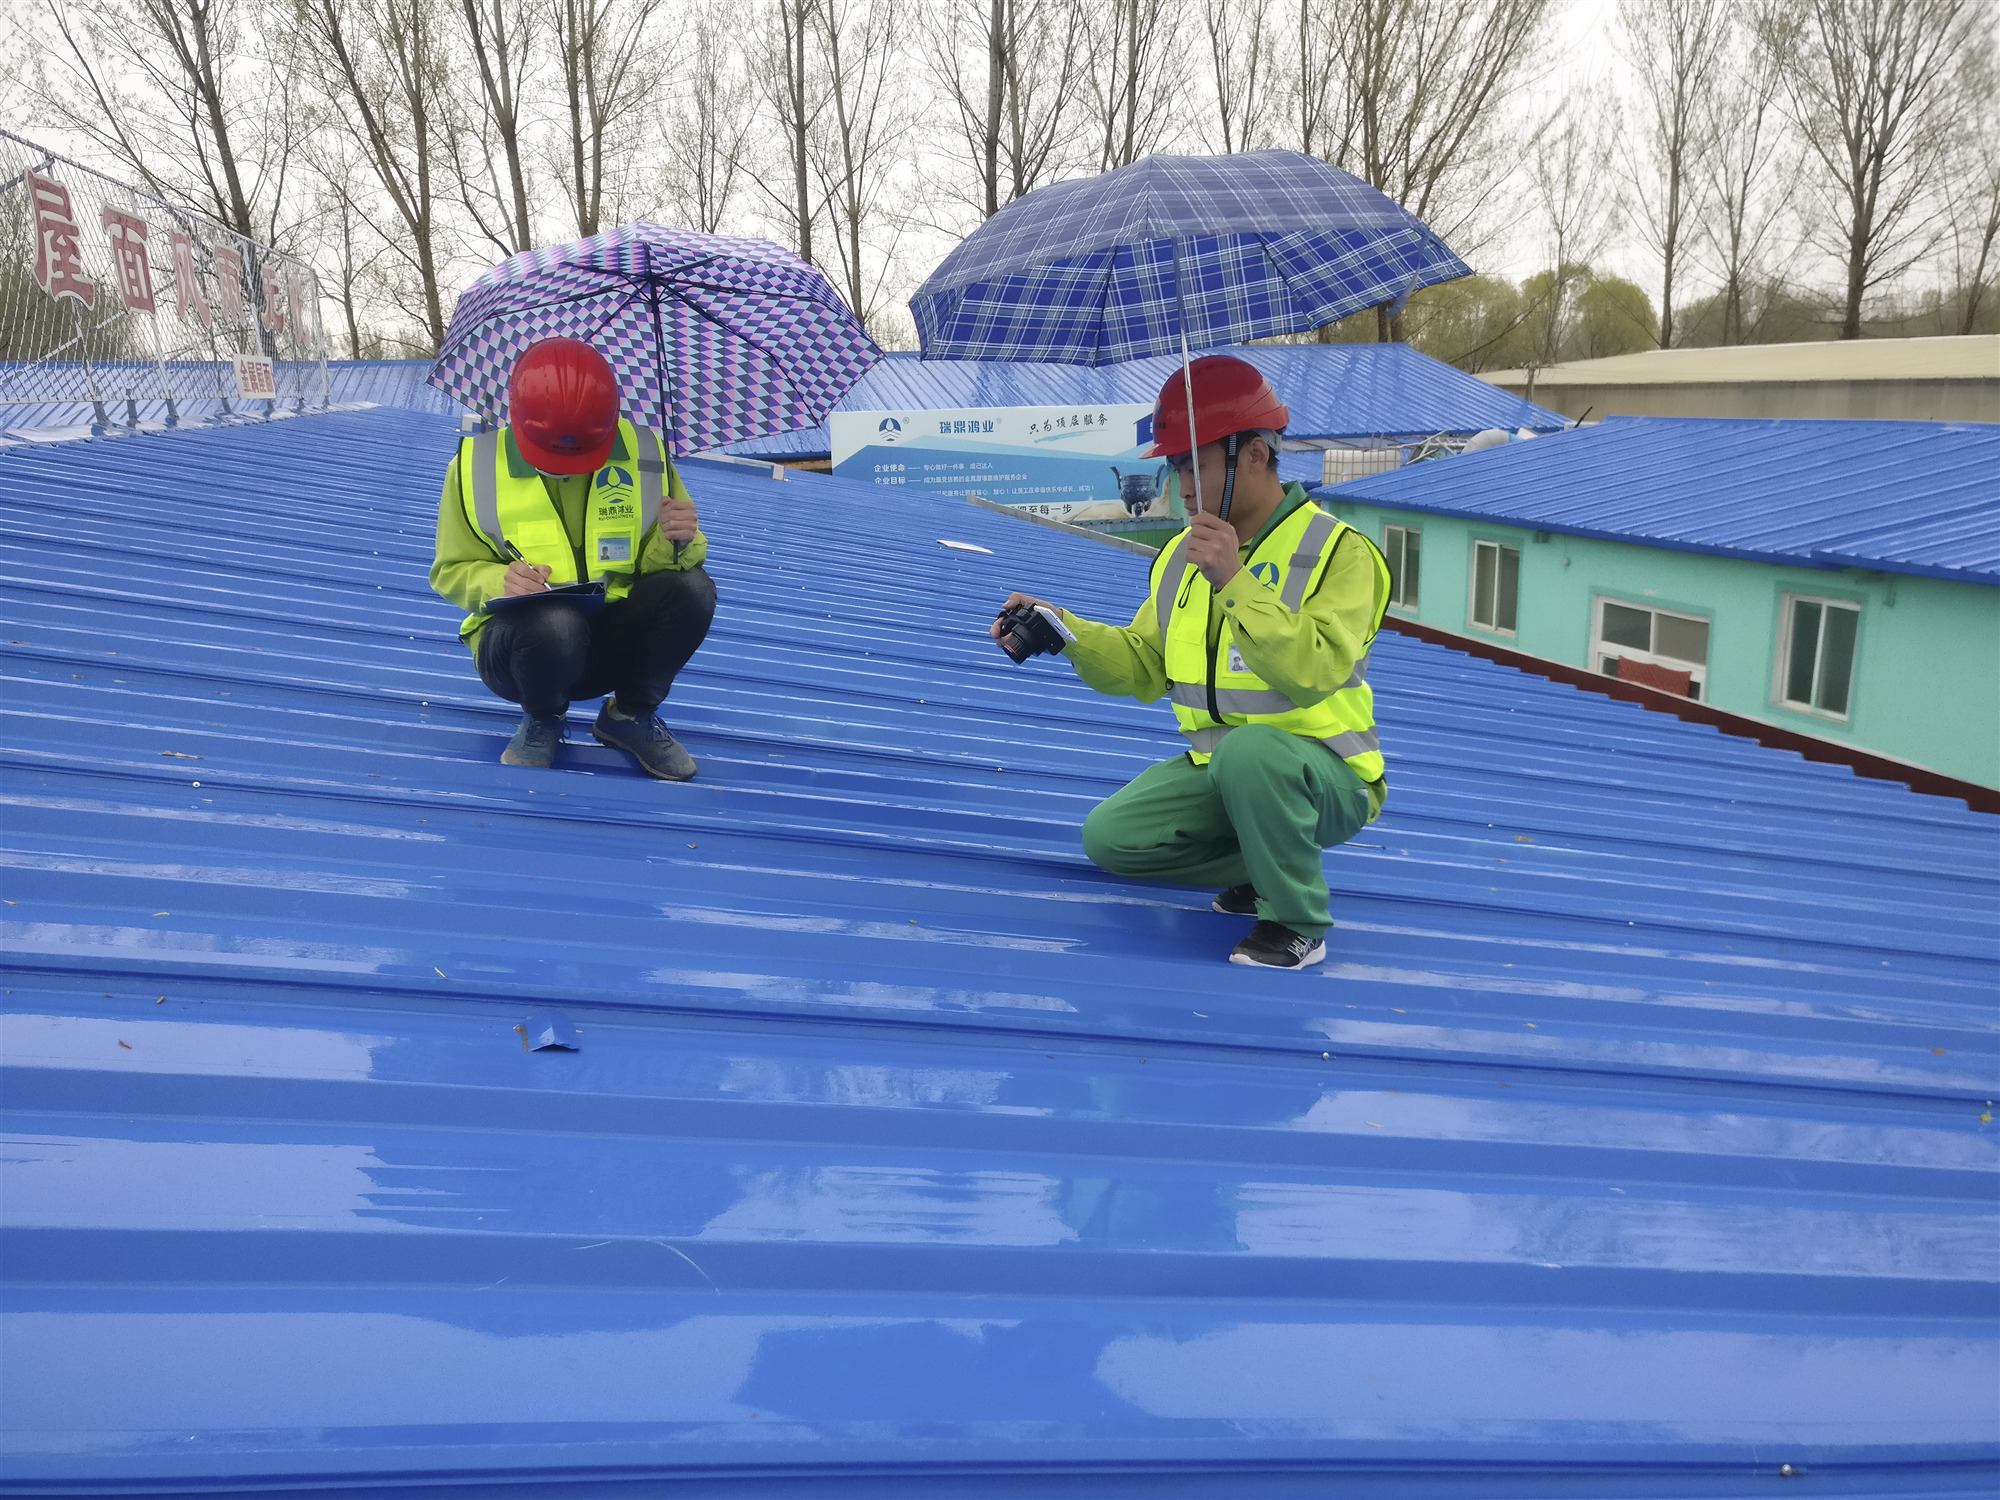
{"x":777,"y":364}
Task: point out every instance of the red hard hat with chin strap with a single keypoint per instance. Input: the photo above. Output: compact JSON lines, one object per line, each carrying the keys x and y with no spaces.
{"x":1230,"y":395}
{"x":562,"y":404}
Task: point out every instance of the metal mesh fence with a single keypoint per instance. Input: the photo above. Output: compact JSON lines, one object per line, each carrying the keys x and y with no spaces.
{"x":117,"y":307}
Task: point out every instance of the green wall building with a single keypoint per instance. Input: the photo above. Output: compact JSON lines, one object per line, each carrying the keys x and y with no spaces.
{"x":1837,"y":579}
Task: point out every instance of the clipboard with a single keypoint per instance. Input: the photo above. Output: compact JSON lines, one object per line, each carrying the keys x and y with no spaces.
{"x":588,"y":597}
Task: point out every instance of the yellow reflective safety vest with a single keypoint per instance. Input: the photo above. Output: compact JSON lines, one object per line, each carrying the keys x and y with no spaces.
{"x":1211,"y":688}
{"x":506,"y":502}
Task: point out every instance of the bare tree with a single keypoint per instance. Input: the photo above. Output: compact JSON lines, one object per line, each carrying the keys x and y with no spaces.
{"x":344,"y":229}
{"x":177,"y":91}
{"x":1674,"y":48}
{"x":1867,"y":83}
{"x":1972,"y":181}
{"x":857,"y":146}
{"x":1009,"y":72}
{"x":501,"y":37}
{"x":792,"y":81}
{"x":1242,"y":36}
{"x":1423,"y":82}
{"x":1130,"y":44}
{"x":706,"y":125}
{"x":610,"y":76}
{"x":384,"y":65}
{"x":1571,"y":157}
{"x":1324,"y":128}
{"x":1749,"y":181}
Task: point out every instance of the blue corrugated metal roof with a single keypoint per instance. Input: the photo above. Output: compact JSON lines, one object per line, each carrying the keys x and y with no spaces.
{"x":1902,"y":497}
{"x":349,"y":382}
{"x":1336,"y":392}
{"x":1632,"y":1141}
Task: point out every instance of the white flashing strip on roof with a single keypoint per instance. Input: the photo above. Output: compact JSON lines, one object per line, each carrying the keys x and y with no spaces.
{"x":1969,"y":357}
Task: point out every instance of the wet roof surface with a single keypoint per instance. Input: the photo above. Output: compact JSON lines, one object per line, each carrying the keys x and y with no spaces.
{"x":1904,"y":497}
{"x":1633,"y":1134}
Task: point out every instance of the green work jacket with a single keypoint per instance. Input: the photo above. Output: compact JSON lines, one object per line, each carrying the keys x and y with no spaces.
{"x":1308,"y":654}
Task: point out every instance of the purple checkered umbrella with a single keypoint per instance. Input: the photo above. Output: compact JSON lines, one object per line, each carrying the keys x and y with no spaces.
{"x":713,"y":339}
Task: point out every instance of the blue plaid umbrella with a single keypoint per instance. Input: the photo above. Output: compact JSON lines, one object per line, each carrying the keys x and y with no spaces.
{"x":713,"y":340}
{"x":1171,"y":253}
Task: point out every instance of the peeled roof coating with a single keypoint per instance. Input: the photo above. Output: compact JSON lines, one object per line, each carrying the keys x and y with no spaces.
{"x":1903,"y":497}
{"x":1635,"y":1137}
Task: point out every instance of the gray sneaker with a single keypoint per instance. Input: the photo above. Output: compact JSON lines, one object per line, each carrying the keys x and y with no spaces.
{"x":646,"y":741}
{"x":534,"y":743}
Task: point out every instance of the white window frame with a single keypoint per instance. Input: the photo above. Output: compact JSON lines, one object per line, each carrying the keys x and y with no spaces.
{"x":1395,"y":574}
{"x":1601,"y":648}
{"x":1782,"y":663}
{"x":1472,"y":587}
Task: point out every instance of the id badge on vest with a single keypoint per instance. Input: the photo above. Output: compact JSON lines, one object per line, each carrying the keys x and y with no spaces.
{"x":614,"y":518}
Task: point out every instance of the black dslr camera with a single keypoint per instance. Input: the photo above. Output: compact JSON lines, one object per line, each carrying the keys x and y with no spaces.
{"x":1030,"y":630}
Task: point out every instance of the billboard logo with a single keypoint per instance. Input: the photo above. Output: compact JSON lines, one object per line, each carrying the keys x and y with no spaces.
{"x":890,"y":430}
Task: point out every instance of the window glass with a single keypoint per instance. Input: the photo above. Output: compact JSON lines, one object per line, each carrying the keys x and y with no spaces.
{"x":1482,"y":584}
{"x":1624,"y":626}
{"x":1400,"y":545}
{"x":1683,"y":640}
{"x":1836,"y":659}
{"x":1509,"y":589}
{"x":1805,"y":651}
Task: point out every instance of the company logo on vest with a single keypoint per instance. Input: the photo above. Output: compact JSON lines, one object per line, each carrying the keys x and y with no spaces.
{"x":1266,"y":573}
{"x":611,"y":474}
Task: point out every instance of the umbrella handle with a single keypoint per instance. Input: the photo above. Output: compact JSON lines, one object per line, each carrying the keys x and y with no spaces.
{"x":1187,"y":389}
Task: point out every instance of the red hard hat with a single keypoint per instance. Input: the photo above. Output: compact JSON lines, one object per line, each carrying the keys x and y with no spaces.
{"x":1230,"y":395}
{"x":562,"y":402}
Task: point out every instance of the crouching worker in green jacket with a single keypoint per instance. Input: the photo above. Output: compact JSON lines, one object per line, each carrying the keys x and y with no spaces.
{"x":567,"y":493}
{"x":1257,"y":628}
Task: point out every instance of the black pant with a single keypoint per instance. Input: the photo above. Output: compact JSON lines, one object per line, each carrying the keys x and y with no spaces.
{"x":543,"y":658}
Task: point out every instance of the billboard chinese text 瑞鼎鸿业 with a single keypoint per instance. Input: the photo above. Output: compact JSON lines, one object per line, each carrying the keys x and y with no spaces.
{"x":1070,"y":463}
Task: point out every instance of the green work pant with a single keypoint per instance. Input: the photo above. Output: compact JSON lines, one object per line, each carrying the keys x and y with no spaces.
{"x":1258,"y":813}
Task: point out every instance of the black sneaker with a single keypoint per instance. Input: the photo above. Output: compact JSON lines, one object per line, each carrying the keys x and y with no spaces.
{"x":646,"y":741}
{"x":534,"y":743}
{"x":1271,"y":946}
{"x":1237,"y":901}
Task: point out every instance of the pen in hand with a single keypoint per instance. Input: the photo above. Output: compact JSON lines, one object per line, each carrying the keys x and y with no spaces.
{"x":515,"y":553}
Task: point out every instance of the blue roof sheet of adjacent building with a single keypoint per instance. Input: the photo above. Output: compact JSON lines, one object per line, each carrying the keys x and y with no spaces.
{"x":130,"y":396}
{"x":1901,"y":497}
{"x":1635,"y":1137}
{"x":1336,"y":392}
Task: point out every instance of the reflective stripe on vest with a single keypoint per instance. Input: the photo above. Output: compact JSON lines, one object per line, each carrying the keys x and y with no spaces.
{"x":1344,"y":721}
{"x":504,"y":507}
{"x":1346,"y":745}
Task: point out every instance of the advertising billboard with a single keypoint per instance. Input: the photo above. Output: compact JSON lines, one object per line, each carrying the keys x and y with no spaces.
{"x":1070,"y":463}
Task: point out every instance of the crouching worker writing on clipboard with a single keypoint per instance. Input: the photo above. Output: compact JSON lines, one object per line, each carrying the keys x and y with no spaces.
{"x":1257,"y":627}
{"x":577,"y":554}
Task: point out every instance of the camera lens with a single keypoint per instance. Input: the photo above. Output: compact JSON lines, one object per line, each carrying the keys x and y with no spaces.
{"x":1017,"y":633}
